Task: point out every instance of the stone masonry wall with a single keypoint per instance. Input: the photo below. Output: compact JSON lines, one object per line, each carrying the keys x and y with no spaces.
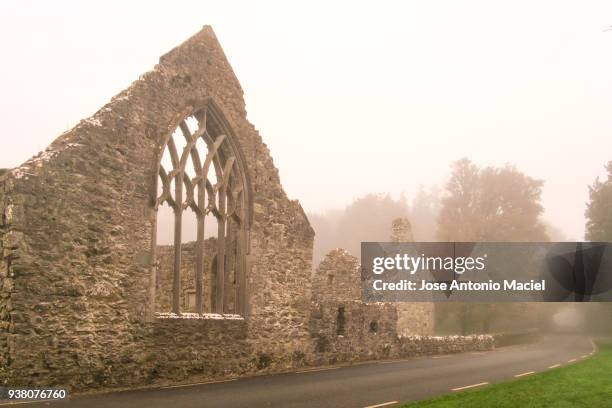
{"x":353,"y":331}
{"x":6,"y":282}
{"x":15,"y":256}
{"x":346,"y":329}
{"x":342,"y":326}
{"x":338,"y":278}
{"x":79,"y":238}
{"x":401,"y":230}
{"x":413,"y":346}
{"x":413,"y":318}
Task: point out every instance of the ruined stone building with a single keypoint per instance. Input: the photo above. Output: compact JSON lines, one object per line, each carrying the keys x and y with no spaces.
{"x":93,"y":295}
{"x":412,"y":317}
{"x":344,"y":327}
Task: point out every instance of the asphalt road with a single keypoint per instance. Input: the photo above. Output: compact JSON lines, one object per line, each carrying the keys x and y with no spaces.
{"x":382,"y":383}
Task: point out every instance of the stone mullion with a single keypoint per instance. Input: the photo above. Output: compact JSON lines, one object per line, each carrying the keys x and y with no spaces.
{"x":199,"y":272}
{"x":178,"y":215}
{"x":240,"y":263}
{"x":223,"y":183}
{"x":201,"y":207}
{"x":229,"y":260}
{"x":221,"y":221}
{"x":177,"y":174}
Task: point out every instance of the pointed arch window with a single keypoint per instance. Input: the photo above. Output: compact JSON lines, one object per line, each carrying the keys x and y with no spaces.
{"x":202,"y":178}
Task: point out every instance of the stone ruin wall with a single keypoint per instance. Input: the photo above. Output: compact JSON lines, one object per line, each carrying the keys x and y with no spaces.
{"x":75,"y":238}
{"x":6,"y":281}
{"x":368,"y":332}
{"x":344,"y":328}
{"x":412,"y":317}
{"x":415,"y":318}
{"x":79,"y":235}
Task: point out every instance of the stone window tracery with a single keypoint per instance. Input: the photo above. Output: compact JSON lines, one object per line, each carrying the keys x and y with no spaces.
{"x":201,"y":177}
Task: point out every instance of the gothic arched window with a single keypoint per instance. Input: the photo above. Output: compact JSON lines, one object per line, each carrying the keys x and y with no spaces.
{"x":203,"y":184}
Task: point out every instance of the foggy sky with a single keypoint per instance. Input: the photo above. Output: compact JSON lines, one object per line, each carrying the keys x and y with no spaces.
{"x":350,"y":97}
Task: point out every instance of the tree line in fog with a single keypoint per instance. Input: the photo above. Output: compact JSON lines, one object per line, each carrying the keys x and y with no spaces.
{"x":476,"y":204}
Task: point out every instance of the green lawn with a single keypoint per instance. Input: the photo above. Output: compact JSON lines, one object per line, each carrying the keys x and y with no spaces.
{"x":587,"y":383}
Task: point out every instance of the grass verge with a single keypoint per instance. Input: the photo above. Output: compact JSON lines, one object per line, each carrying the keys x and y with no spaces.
{"x":587,"y":383}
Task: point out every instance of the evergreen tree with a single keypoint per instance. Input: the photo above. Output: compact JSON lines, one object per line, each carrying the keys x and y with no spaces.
{"x":599,"y":209}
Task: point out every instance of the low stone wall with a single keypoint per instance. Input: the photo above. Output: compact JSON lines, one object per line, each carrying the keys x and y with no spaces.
{"x":513,"y":338}
{"x":413,"y":346}
{"x":415,"y":318}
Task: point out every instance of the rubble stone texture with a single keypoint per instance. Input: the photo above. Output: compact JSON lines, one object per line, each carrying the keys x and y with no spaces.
{"x":413,"y":318}
{"x":401,"y":230}
{"x":344,"y":328}
{"x":76,"y":244}
{"x":76,"y":267}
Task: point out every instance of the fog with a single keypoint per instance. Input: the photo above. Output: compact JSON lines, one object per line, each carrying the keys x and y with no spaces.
{"x":351,"y":98}
{"x":594,"y":319}
{"x":482,"y":204}
{"x":492,"y":204}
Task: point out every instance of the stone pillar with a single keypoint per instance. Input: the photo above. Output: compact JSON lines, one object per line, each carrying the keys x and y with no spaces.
{"x":401,"y":230}
{"x":413,"y":318}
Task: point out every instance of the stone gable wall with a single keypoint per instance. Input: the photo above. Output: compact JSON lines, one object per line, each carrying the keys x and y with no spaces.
{"x":80,"y":241}
{"x":338,"y":278}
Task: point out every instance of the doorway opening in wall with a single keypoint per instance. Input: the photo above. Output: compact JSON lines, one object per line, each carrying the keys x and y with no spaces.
{"x":202,"y":208}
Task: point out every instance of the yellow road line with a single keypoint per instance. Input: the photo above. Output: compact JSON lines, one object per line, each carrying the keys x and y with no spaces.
{"x":571,"y":361}
{"x":524,"y":374}
{"x":555,"y":366}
